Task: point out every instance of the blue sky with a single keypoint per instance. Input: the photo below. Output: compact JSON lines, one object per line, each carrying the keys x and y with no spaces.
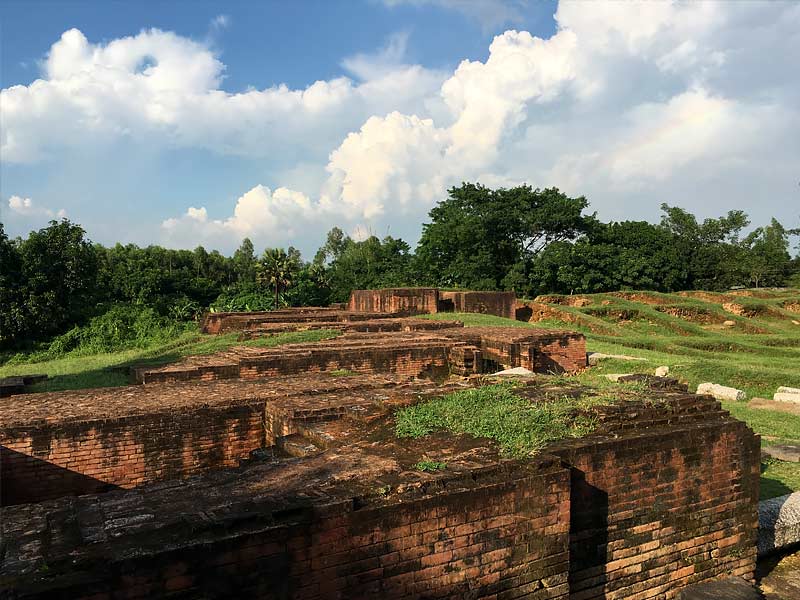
{"x":186,"y":123}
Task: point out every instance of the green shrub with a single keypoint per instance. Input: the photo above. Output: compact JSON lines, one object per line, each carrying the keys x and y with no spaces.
{"x":243,"y":298}
{"x":122,"y":327}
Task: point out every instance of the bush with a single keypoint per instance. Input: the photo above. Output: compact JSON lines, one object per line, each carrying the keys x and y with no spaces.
{"x":243,"y":298}
{"x":122,"y":327}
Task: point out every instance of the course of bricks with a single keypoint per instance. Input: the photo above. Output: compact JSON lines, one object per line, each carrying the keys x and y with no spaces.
{"x":664,"y":494}
{"x":87,"y":441}
{"x":430,"y":353}
{"x":414,"y":301}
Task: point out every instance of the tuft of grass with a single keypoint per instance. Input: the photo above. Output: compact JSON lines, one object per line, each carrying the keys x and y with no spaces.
{"x":342,"y":373}
{"x":429,"y":466}
{"x":521,"y":427}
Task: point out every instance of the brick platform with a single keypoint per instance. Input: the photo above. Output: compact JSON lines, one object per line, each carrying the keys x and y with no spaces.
{"x":381,"y":325}
{"x":414,"y":301}
{"x":434,"y":353}
{"x":663,"y":495}
{"x":86,"y":441}
{"x":225,"y":322}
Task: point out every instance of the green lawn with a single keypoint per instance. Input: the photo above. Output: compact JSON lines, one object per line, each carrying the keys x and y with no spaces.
{"x":76,"y":371}
{"x":758,"y":354}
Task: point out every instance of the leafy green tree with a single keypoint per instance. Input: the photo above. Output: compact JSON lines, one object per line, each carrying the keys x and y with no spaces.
{"x":711,"y":249}
{"x":767,"y":260}
{"x":12,"y":316}
{"x":59,"y":268}
{"x":244,"y":260}
{"x":371,"y":263}
{"x":477,"y":236}
{"x":277,"y":269}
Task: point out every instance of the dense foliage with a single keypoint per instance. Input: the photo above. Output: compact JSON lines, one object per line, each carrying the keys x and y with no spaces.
{"x":528,"y":240}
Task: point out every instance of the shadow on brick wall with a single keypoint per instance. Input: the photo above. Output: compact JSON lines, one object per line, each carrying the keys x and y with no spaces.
{"x":25,"y":479}
{"x":588,"y":532}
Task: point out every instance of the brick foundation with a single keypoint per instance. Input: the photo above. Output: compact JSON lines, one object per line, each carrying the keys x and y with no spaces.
{"x":664,"y":494}
{"x":502,"y":304}
{"x":407,"y":301}
{"x":409,"y":354}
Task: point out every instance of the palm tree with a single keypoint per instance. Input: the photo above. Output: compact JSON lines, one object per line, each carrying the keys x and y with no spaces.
{"x":277,"y":268}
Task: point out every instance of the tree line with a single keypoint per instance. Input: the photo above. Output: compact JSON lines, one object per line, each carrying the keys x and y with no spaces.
{"x":531,"y":241}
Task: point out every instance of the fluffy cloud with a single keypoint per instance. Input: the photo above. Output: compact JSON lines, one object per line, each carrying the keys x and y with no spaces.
{"x":162,"y":88}
{"x":671,"y":101}
{"x":259,"y":213}
{"x":27,"y":208}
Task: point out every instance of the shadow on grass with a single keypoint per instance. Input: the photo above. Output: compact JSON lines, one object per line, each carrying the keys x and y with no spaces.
{"x":770,"y":487}
{"x":110,"y":376}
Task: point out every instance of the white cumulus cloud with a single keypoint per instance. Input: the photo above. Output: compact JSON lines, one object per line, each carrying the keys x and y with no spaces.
{"x":27,"y":208}
{"x":629,"y":103}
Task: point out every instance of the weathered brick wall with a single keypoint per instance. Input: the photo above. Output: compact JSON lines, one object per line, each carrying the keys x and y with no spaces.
{"x":664,"y":495}
{"x":408,"y":301}
{"x":479,"y":537}
{"x":49,"y":460}
{"x":542,"y":351}
{"x":424,"y":360}
{"x":565,"y":352}
{"x":502,"y":304}
{"x":654,"y":512}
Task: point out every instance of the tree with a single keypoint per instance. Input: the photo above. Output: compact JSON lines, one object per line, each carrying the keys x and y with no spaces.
{"x":12,"y":319}
{"x":477,"y":236}
{"x":767,"y":258}
{"x":278,"y":268}
{"x":710,"y":250}
{"x":244,"y":261}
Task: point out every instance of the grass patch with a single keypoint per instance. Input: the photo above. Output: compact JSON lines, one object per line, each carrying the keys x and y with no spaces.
{"x":342,"y":373}
{"x":429,"y":466}
{"x":521,"y":427}
{"x":110,"y":369}
{"x":778,"y":478}
{"x":476,"y":319}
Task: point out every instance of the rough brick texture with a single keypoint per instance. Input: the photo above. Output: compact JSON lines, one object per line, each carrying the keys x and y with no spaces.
{"x":502,"y":304}
{"x":408,"y":301}
{"x":87,"y":441}
{"x":672,"y":503}
{"x":663,"y":495}
{"x":492,"y":533}
{"x":410,"y":354}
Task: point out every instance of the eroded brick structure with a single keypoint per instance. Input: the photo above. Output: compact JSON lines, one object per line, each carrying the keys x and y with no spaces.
{"x":413,"y":301}
{"x":662,"y":495}
{"x":429,"y":353}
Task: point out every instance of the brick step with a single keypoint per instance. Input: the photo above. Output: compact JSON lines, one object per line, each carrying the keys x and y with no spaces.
{"x":296,"y":445}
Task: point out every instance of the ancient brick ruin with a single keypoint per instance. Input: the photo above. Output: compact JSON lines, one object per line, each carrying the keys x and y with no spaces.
{"x":413,"y":301}
{"x":270,"y":473}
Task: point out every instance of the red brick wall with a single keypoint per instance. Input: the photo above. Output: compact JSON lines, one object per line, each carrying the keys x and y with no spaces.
{"x":502,"y":304}
{"x":561,"y":352}
{"x":408,"y":362}
{"x":395,"y":300}
{"x":654,"y":513}
{"x":65,"y":459}
{"x":477,"y":538}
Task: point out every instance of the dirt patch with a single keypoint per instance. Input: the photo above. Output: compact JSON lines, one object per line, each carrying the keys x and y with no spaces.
{"x":792,"y":306}
{"x":691,"y":314}
{"x":534,"y":312}
{"x":752,"y":311}
{"x":642,"y":297}
{"x":574,"y":301}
